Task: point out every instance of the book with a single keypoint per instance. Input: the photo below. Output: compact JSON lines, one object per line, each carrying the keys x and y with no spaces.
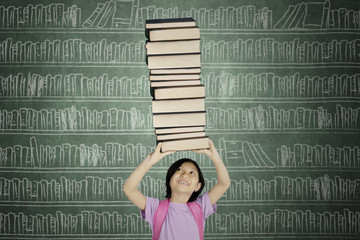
{"x":180,"y":92}
{"x":185,"y":144}
{"x":169,"y":23}
{"x":179,"y":119}
{"x":187,"y":33}
{"x":108,"y":15}
{"x":175,"y":83}
{"x":178,"y":130}
{"x":166,"y":77}
{"x":291,"y":17}
{"x":298,"y":19}
{"x":178,"y":105}
{"x":314,"y":15}
{"x":176,"y":71}
{"x":163,"y":137}
{"x":90,"y":21}
{"x":123,"y":14}
{"x":173,"y":47}
{"x":285,"y":17}
{"x":174,"y":61}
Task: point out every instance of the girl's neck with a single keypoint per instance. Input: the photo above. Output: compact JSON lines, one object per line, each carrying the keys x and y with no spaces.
{"x":179,"y":198}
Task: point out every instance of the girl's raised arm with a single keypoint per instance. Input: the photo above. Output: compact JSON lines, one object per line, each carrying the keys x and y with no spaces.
{"x":223,"y":179}
{"x":132,"y":183}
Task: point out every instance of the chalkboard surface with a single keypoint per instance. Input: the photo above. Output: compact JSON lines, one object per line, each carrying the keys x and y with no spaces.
{"x":282,"y":98}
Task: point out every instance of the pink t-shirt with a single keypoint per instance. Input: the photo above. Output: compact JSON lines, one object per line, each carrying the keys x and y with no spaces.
{"x":179,"y":222}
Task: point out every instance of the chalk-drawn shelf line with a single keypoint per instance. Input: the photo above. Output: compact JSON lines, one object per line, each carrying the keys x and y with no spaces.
{"x":307,"y":131}
{"x":116,"y":203}
{"x":209,"y":130}
{"x":140,"y":31}
{"x":95,"y":131}
{"x":107,"y":170}
{"x":280,"y":100}
{"x":349,"y":99}
{"x":80,"y":99}
{"x":206,"y":235}
{"x":148,"y":236}
{"x":77,"y":65}
{"x":282,"y":65}
{"x":204,"y":65}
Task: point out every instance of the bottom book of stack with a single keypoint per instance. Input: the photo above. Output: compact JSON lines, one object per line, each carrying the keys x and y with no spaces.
{"x":185,"y":144}
{"x":182,"y":138}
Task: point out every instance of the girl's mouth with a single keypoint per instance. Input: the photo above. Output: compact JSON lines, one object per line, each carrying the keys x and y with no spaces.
{"x":183,"y":182}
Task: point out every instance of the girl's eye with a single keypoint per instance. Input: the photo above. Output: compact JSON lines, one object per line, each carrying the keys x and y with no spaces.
{"x":192,"y":172}
{"x":179,"y":170}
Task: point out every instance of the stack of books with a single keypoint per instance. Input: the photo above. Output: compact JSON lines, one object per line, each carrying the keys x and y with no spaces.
{"x":173,"y":58}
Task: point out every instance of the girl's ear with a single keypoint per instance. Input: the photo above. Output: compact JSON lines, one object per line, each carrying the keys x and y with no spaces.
{"x":198,"y":186}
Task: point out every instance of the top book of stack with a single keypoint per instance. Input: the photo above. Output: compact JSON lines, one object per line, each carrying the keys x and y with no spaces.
{"x":172,"y":29}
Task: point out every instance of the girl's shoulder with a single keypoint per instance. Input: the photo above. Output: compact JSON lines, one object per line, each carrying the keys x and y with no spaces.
{"x":150,"y":208}
{"x":205,"y":204}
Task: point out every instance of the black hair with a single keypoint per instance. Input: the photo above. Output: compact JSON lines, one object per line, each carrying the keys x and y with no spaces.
{"x":173,"y":168}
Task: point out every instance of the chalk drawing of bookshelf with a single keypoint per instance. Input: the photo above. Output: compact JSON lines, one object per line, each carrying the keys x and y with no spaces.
{"x":244,"y":154}
{"x":240,"y":51}
{"x":305,"y":155}
{"x":271,"y":85}
{"x":270,"y":50}
{"x":252,"y":222}
{"x":130,"y":14}
{"x":60,"y":86}
{"x":218,"y":85}
{"x":74,"y":119}
{"x":109,"y":189}
{"x":65,"y":155}
{"x":71,"y":51}
{"x":274,"y":118}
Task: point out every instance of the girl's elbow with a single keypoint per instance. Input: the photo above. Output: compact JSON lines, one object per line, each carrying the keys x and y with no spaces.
{"x":227,"y":184}
{"x":127,"y":190}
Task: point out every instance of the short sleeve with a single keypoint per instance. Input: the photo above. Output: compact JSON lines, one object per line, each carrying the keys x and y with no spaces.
{"x":150,"y":208}
{"x":206,"y":206}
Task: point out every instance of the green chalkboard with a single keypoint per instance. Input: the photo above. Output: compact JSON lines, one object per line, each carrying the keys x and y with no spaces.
{"x":282,"y":85}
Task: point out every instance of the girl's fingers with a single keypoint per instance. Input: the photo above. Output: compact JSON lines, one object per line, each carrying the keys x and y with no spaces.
{"x":158,"y":147}
{"x":200,"y":151}
{"x":168,"y":153}
{"x":211,"y":144}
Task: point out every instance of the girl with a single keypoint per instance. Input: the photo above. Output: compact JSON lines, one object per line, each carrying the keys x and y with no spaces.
{"x":184,"y":183}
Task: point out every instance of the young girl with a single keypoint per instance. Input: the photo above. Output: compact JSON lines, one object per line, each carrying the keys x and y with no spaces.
{"x":184,"y":183}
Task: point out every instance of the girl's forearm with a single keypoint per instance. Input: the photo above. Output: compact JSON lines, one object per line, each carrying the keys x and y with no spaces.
{"x":223,"y":177}
{"x":135,"y":178}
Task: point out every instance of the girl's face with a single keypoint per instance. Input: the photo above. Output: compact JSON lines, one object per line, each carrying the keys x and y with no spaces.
{"x":185,"y":179}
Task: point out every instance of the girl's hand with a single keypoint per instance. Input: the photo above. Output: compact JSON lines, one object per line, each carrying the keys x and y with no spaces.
{"x":155,"y":156}
{"x":223,"y":179}
{"x":131,"y":186}
{"x":211,"y":152}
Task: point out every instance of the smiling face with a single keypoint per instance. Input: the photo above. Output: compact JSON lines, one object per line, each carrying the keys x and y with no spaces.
{"x":185,"y":179}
